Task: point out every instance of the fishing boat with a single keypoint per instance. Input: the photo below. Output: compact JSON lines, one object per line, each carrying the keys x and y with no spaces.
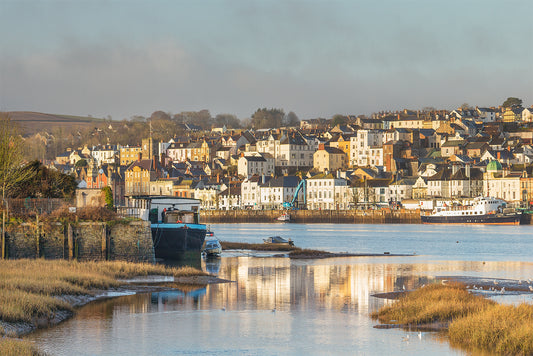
{"x":481,"y":210}
{"x":211,"y":246}
{"x":176,"y":230}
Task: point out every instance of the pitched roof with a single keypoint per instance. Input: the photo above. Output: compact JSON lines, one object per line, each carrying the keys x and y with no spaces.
{"x":282,"y":182}
{"x":333,"y":150}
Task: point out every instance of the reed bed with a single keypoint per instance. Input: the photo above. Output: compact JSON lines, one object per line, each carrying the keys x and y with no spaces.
{"x":503,"y":329}
{"x":17,"y":347}
{"x":472,"y":322}
{"x":256,"y":247}
{"x":300,"y":252}
{"x":28,"y":287}
{"x":433,"y":303}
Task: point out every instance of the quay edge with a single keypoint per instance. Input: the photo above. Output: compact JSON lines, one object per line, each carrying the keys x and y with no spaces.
{"x":381,"y":216}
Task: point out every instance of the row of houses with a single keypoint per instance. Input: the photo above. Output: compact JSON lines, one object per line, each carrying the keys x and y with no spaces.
{"x":378,"y":160}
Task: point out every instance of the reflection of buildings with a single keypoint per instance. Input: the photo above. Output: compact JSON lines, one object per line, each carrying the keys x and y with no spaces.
{"x":342,"y":284}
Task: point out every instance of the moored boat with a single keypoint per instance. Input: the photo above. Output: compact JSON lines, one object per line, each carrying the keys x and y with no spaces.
{"x":211,"y":246}
{"x":175,"y":226}
{"x":278,"y":240}
{"x":481,"y":210}
{"x":286,"y":217}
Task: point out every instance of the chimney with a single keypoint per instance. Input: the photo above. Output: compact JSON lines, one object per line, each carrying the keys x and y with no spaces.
{"x":320,"y":146}
{"x":498,"y":155}
{"x":454,"y":168}
{"x":139,"y":157}
{"x":218,"y":178}
{"x":154,"y":163}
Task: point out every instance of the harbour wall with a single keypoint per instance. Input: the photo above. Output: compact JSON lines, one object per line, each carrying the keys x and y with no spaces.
{"x":82,"y":241}
{"x":382,"y":216}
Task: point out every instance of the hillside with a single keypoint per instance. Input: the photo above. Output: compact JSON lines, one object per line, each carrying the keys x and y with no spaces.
{"x":33,"y":122}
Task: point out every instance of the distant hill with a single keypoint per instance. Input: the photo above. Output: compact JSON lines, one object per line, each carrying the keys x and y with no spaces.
{"x":33,"y":122}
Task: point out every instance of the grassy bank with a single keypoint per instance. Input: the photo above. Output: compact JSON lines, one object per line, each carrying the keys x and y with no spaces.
{"x":472,"y":322}
{"x":16,"y":347}
{"x":226,"y":245}
{"x":31,"y":291}
{"x":28,"y":287}
{"x":294,"y":252}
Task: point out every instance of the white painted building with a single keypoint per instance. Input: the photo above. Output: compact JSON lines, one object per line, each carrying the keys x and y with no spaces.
{"x":251,"y":193}
{"x":364,"y":147}
{"x":251,"y":163}
{"x":325,"y":192}
{"x":499,"y":184}
{"x":104,"y":154}
{"x":277,"y":191}
{"x":290,"y":150}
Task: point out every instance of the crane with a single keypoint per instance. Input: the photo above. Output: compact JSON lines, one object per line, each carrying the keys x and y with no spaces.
{"x":290,"y":205}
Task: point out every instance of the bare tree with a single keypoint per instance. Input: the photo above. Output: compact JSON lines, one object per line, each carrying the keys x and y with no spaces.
{"x":11,"y":159}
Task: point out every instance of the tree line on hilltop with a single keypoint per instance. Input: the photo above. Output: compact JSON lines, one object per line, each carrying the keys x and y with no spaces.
{"x":163,"y":126}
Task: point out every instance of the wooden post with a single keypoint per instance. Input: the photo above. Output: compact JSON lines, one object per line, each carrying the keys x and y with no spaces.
{"x":3,"y":235}
{"x":37,"y":240}
{"x":104,"y":254}
{"x":70,"y":237}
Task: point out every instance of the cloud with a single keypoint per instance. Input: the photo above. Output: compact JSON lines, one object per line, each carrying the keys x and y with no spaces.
{"x":119,"y":79}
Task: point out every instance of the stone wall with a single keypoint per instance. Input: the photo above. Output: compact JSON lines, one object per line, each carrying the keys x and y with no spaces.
{"x":132,"y":240}
{"x":86,"y":241}
{"x":382,"y":216}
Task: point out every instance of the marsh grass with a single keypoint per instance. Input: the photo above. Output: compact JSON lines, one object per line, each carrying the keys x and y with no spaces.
{"x":17,"y":347}
{"x":504,"y":329}
{"x":28,"y":287}
{"x":297,"y":252}
{"x":257,"y":247}
{"x":433,"y":303}
{"x":473,"y":322}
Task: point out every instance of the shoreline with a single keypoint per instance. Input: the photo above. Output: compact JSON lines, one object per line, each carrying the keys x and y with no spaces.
{"x":294,"y":252}
{"x":21,"y":328}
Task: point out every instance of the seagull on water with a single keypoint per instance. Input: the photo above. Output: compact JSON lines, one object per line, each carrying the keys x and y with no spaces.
{"x":503,"y":290}
{"x":530,"y":288}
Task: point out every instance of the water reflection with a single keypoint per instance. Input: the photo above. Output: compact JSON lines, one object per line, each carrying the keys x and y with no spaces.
{"x":273,"y":306}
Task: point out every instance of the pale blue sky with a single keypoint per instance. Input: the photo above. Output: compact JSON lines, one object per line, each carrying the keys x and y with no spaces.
{"x":316,"y":58}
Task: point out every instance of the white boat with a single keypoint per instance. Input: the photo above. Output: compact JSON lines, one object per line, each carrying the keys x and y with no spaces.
{"x":211,"y":246}
{"x":284,"y":217}
{"x":278,"y":240}
{"x":481,"y":210}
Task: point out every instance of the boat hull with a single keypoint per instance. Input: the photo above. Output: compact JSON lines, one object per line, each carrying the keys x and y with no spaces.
{"x":492,"y":219}
{"x":212,"y":252}
{"x":172,"y":241}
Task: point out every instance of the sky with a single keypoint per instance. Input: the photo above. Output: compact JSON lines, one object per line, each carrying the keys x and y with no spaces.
{"x":316,"y":58}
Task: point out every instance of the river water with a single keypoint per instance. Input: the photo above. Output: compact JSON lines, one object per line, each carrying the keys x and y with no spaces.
{"x":279,"y":306}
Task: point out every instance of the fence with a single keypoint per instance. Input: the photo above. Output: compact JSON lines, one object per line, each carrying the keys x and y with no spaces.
{"x":32,"y":206}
